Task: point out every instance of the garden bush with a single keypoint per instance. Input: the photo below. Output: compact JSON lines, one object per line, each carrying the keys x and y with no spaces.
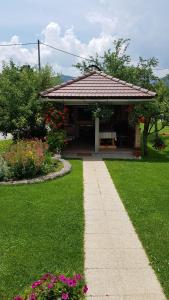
{"x":159,"y":143}
{"x":4,"y":169}
{"x":56,"y":287}
{"x":56,"y":140}
{"x":26,"y":159}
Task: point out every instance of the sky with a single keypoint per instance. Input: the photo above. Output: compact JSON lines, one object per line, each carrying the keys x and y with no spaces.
{"x":84,"y":27}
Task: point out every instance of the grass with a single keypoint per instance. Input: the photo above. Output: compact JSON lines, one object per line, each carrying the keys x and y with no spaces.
{"x":144,"y":189}
{"x":41,"y":230}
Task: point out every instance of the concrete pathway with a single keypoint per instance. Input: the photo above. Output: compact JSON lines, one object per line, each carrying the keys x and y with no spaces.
{"x":116,"y":265}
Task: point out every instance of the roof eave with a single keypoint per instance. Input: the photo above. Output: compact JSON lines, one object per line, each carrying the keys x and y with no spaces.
{"x":119,"y":101}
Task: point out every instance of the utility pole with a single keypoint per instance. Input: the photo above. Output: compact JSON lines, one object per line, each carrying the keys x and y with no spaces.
{"x":39,"y":61}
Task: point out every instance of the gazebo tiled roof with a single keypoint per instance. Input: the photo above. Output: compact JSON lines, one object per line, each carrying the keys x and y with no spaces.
{"x":97,"y":85}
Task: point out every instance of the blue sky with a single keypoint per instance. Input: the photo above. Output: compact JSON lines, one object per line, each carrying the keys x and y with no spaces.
{"x":84,"y":27}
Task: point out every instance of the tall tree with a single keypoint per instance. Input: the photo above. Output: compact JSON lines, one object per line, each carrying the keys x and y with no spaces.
{"x":119,"y":64}
{"x":20,"y":107}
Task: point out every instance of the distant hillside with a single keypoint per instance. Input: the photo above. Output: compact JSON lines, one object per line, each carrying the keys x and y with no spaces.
{"x":66,"y":77}
{"x":166,"y":79}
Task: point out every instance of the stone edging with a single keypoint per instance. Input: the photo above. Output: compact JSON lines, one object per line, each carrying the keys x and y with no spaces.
{"x":66,"y":169}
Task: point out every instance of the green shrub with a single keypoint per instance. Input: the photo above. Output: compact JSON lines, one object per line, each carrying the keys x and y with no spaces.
{"x":26,"y":159}
{"x":49,"y":165}
{"x":56,"y":140}
{"x":4,"y":145}
{"x":159,"y":143}
{"x":4,"y":169}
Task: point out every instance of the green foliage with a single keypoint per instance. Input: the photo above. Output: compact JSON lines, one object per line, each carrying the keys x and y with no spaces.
{"x":49,"y":165}
{"x":56,"y":140}
{"x":118,"y":63}
{"x":20,"y":107}
{"x":158,"y":143}
{"x":26,"y":159}
{"x":101,"y":111}
{"x":5,"y":173}
{"x":4,"y":145}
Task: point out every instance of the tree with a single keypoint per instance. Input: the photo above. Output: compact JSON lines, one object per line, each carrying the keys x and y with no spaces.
{"x":119,"y":64}
{"x":20,"y":107}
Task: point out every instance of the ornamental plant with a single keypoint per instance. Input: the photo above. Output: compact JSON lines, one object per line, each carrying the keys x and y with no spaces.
{"x":56,"y":287}
{"x":56,"y":140}
{"x":27,"y":158}
{"x":4,"y":169}
{"x":54,"y":118}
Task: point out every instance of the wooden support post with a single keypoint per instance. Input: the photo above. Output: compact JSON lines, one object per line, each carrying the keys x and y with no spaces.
{"x":97,"y":140}
{"x":137,"y":144}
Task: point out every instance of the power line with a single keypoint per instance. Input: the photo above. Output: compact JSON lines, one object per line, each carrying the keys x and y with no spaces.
{"x":57,"y":49}
{"x":61,"y":50}
{"x":17,"y":44}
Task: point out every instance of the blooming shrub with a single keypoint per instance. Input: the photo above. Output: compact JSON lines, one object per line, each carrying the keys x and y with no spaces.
{"x":28,"y":158}
{"x":56,"y":287}
{"x":54,"y":118}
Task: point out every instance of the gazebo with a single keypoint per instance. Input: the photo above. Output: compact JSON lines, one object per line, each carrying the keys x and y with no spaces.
{"x":93,"y":88}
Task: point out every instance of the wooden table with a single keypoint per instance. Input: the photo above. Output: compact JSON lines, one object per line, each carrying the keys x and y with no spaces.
{"x":108,"y":135}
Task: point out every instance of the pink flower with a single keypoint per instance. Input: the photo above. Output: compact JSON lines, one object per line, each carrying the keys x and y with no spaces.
{"x":53,"y":279}
{"x":36,"y":283}
{"x":50,"y":285}
{"x":32,"y":297}
{"x":18,"y":298}
{"x":78,"y":277}
{"x":62,"y":278}
{"x":71,"y":282}
{"x":85,"y":289}
{"x":65,"y":296}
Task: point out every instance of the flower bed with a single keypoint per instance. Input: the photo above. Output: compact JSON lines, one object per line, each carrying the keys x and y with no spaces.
{"x":28,"y":162}
{"x":64,"y":168}
{"x":56,"y":287}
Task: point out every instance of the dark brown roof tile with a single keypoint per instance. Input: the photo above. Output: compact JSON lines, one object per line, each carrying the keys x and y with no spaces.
{"x":97,"y":85}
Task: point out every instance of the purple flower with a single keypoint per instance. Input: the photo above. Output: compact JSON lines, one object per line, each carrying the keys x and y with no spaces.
{"x":71,"y":282}
{"x":36,"y":283}
{"x":65,"y":296}
{"x":62,"y":278}
{"x":32,"y":297}
{"x":45,"y":276}
{"x":50,"y":285}
{"x":85,"y":289}
{"x":78,"y":277}
{"x":53,"y":279}
{"x":18,"y":298}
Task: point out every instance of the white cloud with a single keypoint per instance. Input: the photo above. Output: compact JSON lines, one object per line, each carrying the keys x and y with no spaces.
{"x":108,"y":25}
{"x":67,"y":40}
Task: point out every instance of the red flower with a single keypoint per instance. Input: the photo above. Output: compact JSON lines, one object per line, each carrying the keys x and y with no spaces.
{"x":142,"y":119}
{"x":85,"y":289}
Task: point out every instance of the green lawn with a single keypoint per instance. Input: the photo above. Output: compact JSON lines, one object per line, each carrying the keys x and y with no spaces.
{"x":144,"y":189}
{"x":41,"y":230}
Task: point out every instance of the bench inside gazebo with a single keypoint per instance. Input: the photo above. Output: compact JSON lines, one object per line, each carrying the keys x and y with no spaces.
{"x":87,"y":135}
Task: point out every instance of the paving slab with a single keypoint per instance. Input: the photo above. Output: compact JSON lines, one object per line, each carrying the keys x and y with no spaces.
{"x":116,"y":266}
